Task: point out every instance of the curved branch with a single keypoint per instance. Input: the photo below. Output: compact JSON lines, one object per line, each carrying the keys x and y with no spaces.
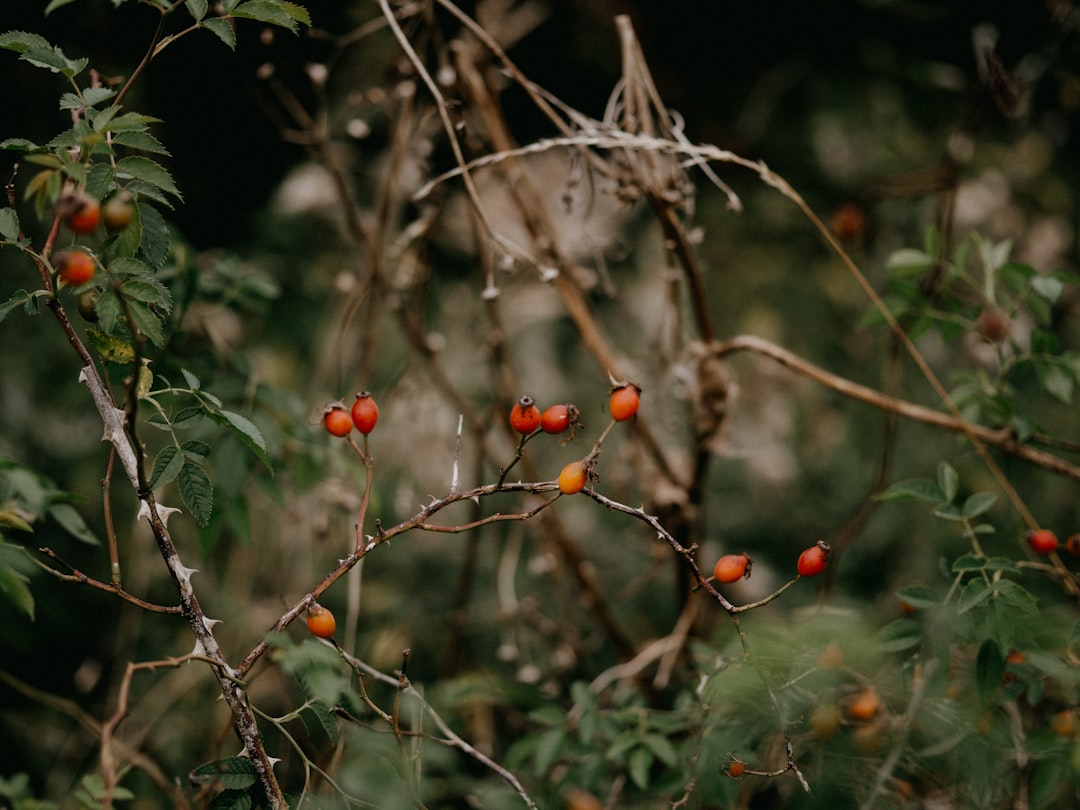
{"x":1001,"y":438}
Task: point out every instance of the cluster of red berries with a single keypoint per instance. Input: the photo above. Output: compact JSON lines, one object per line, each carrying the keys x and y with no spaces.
{"x":1044,"y":541}
{"x":733,"y":567}
{"x":363,"y":416}
{"x":526,"y":417}
{"x":82,"y":212}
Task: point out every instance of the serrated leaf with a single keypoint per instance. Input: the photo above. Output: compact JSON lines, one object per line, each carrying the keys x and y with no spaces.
{"x":968,"y":562}
{"x":91,"y":97}
{"x":197,"y":492}
{"x":978,"y":503}
{"x":147,"y":322}
{"x":18,"y":145}
{"x":167,"y":466}
{"x":323,"y":720}
{"x":222,"y":29}
{"x":191,"y":379}
{"x":72,"y":522}
{"x":155,"y":235}
{"x":948,"y":480}
{"x":9,"y":224}
{"x":974,"y":592}
{"x":111,"y":348}
{"x":22,"y":41}
{"x":921,"y":489}
{"x":148,"y":171}
{"x":148,"y":290}
{"x":902,"y":634}
{"x":197,"y":9}
{"x":197,"y":449}
{"x":53,"y":59}
{"x":131,"y":122}
{"x":188,"y":418}
{"x":143,"y":141}
{"x":267,"y":11}
{"x":21,"y":298}
{"x":247,"y":432}
{"x":234,"y":773}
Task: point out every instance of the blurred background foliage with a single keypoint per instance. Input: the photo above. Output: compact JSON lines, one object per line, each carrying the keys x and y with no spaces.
{"x":889,"y":118}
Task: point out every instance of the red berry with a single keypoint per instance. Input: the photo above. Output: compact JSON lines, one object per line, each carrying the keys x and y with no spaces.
{"x":736,"y":769}
{"x":365,"y":413}
{"x":1072,"y":544}
{"x":573,"y":478}
{"x":732,"y":567}
{"x":118,"y":212}
{"x":320,"y":621}
{"x":75,"y":267}
{"x":624,"y":402}
{"x":337,"y":420}
{"x":812,"y":560}
{"x":81,"y":212}
{"x":557,"y":418}
{"x":1042,"y":541}
{"x":993,"y":324}
{"x":525,"y":416}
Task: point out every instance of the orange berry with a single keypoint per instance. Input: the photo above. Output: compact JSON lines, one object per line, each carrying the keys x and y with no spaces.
{"x":624,"y":402}
{"x":557,"y":418}
{"x":364,"y":413}
{"x":864,"y":705}
{"x":320,"y":621}
{"x":1042,"y":541}
{"x":736,"y":769}
{"x":525,"y":416}
{"x":573,"y":478}
{"x":337,"y":420}
{"x":831,"y":656}
{"x":81,"y":212}
{"x":848,"y":222}
{"x":812,"y":560}
{"x":1064,"y":722}
{"x":732,"y":567}
{"x":75,"y":267}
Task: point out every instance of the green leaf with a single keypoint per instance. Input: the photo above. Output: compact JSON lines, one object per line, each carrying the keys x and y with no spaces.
{"x":662,"y":748}
{"x":222,"y":29}
{"x":189,"y":418}
{"x":21,"y":41}
{"x":909,"y":261}
{"x":1048,"y":288}
{"x":920,"y":489}
{"x":90,"y":97}
{"x":167,"y":466}
{"x":974,"y":592}
{"x":15,"y":585}
{"x":1017,"y":596}
{"x":902,"y":634}
{"x":147,"y":322}
{"x":72,"y":522}
{"x":920,"y":597}
{"x":143,"y":141}
{"x":948,"y":512}
{"x":548,"y":749}
{"x":148,"y":290}
{"x":234,"y":773}
{"x":197,"y":492}
{"x":1056,"y":380}
{"x":155,"y":235}
{"x":196,"y":450}
{"x":21,"y":298}
{"x":948,"y":480}
{"x":978,"y":503}
{"x":9,"y":224}
{"x":53,"y":59}
{"x":247,"y":432}
{"x":989,"y":670}
{"x":197,"y":9}
{"x":149,"y":171}
{"x":191,"y":379}
{"x":639,"y":764}
{"x":275,"y":12}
